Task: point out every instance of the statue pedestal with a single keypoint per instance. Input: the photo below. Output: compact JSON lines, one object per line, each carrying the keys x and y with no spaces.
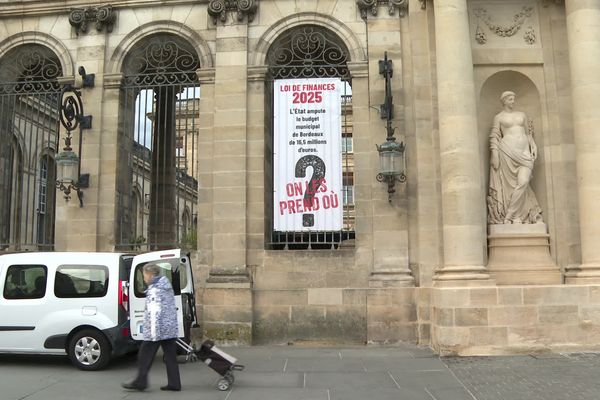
{"x":519,"y":254}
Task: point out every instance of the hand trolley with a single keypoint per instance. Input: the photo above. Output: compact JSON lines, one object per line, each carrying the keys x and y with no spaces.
{"x":221,"y":362}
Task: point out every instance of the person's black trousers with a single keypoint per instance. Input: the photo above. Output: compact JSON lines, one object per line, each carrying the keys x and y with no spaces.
{"x":146,"y":357}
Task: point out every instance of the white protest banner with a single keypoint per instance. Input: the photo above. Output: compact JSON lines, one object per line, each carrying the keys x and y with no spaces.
{"x":307,"y":176}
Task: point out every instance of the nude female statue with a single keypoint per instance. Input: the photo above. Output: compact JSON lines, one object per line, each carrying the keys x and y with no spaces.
{"x":513,"y":152}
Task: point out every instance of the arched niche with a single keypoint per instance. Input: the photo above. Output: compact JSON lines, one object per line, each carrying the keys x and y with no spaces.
{"x":527,"y":100}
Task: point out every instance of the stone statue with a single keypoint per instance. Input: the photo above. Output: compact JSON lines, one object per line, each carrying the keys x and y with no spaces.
{"x":513,"y":152}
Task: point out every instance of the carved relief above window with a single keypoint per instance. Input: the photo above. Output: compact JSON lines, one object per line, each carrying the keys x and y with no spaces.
{"x":218,"y":9}
{"x":372,"y":6}
{"x":102,"y":16}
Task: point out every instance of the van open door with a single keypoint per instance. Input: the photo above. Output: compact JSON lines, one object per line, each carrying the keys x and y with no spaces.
{"x":178,"y":269}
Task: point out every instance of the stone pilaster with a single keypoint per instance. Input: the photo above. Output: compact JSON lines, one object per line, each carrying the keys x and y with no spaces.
{"x":390,"y":224}
{"x":228,"y":293}
{"x":86,"y":228}
{"x":583,"y":33}
{"x":463,"y":199}
{"x":206,"y":133}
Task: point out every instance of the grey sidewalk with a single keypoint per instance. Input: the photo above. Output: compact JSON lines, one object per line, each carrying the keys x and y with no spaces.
{"x":298,"y":373}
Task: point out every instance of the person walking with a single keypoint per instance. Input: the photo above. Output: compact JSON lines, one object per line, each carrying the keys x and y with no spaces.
{"x":160,"y":329}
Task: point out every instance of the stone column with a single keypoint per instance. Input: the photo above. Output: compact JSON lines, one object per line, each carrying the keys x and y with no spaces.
{"x":583,"y":33}
{"x":228,"y":294}
{"x":463,"y":197}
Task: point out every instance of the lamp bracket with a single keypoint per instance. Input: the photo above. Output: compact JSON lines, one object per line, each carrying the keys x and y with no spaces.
{"x":87,"y":80}
{"x":85,"y":121}
{"x":84,"y":181}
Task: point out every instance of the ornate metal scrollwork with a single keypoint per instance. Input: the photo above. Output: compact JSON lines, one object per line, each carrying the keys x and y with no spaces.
{"x":162,"y":61}
{"x":218,"y":9}
{"x":33,"y":68}
{"x":306,"y":52}
{"x":366,"y":6}
{"x":103,"y":16}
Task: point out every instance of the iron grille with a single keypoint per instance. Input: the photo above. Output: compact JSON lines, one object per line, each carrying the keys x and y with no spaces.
{"x":310,"y":51}
{"x":29,"y":95}
{"x":157,"y":190}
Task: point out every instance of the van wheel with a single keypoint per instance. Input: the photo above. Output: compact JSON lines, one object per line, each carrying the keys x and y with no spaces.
{"x":89,"y":350}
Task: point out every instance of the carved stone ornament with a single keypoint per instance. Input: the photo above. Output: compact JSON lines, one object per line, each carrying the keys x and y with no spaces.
{"x":218,"y":9}
{"x":504,"y":31}
{"x":366,"y":6}
{"x":423,"y":4}
{"x":102,"y":16}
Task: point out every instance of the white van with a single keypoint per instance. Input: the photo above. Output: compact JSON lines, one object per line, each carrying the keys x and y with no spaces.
{"x":80,"y":303}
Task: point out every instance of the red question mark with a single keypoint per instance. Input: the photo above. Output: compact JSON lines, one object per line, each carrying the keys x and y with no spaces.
{"x":315,"y":181}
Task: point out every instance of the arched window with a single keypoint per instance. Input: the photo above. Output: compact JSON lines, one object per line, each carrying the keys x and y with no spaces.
{"x":29,"y":92}
{"x":159,"y":110}
{"x":308,"y":64}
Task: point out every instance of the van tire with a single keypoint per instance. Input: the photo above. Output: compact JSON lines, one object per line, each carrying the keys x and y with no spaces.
{"x":89,"y":350}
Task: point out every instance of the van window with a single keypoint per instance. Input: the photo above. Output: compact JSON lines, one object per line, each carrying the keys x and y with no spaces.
{"x":25,"y":282}
{"x":166,"y":269}
{"x":81,"y":281}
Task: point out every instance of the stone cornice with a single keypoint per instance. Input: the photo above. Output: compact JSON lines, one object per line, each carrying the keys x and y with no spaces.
{"x":39,"y":7}
{"x":257,"y":73}
{"x":113,"y":81}
{"x":358,"y":69}
{"x":206,"y":76}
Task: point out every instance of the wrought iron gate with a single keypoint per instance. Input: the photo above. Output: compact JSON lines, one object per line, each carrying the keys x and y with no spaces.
{"x":29,"y":121}
{"x":157,"y":188}
{"x":310,"y":51}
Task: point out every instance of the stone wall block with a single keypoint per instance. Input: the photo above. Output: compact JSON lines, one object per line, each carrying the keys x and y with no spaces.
{"x":228,"y":313}
{"x":555,"y":295}
{"x":354,"y":297}
{"x":568,"y":314}
{"x":594,"y":294}
{"x":307,"y":314}
{"x":451,"y":297}
{"x":325,"y":296}
{"x":510,"y":296}
{"x":400,"y":296}
{"x":488,"y":336}
{"x":443,"y":316}
{"x":590,"y":314}
{"x":471,"y":316}
{"x":513,"y":316}
{"x":483,"y":297}
{"x":450,"y":340}
{"x":268,"y":298}
{"x":379,"y":297}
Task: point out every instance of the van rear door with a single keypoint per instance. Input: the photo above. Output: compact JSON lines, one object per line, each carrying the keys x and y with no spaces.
{"x":176,"y":267}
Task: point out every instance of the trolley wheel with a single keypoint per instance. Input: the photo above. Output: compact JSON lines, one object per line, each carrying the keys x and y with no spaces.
{"x":229,"y":376}
{"x":223,"y":384}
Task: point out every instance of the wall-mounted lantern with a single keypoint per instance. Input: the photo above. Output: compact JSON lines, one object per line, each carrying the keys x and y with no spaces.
{"x":68,"y":163}
{"x":392,"y":163}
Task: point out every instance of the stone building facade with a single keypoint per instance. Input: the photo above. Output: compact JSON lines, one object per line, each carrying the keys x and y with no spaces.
{"x":424,"y":266}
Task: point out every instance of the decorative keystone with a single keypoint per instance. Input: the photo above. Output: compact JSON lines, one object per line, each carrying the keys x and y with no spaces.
{"x":103,"y":16}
